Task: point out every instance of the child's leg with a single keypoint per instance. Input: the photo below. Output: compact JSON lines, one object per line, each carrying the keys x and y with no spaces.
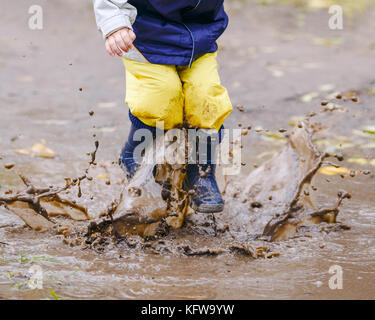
{"x":207,"y":104}
{"x":128,"y":160}
{"x":153,"y":93}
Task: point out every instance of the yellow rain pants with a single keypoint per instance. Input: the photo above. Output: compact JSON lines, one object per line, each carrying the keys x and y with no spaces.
{"x":166,"y":93}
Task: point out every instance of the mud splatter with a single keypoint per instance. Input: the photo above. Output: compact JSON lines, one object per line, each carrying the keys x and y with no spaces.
{"x":93,"y":154}
{"x":274,"y":205}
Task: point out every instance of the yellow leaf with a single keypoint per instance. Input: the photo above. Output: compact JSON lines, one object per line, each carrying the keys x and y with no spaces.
{"x":362,"y":133}
{"x":275,"y":135}
{"x":328,"y":42}
{"x":22,"y":151}
{"x":258,"y":129}
{"x":102,"y":176}
{"x":330,"y":171}
{"x":369,"y":129}
{"x":318,"y":4}
{"x":38,"y":150}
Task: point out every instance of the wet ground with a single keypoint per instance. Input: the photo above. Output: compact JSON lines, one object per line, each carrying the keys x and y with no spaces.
{"x":278,"y":62}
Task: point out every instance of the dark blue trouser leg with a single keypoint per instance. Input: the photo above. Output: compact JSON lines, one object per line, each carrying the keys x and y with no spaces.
{"x":127,"y":158}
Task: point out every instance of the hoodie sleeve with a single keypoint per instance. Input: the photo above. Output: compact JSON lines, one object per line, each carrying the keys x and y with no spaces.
{"x":112,"y":15}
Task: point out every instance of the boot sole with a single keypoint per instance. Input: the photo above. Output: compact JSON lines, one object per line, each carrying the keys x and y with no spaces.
{"x":208,"y":208}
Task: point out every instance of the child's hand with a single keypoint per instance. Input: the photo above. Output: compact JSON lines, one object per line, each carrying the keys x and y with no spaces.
{"x":121,"y":39}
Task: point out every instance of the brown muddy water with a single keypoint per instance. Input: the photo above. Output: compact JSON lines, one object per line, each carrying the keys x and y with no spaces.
{"x":278,"y":63}
{"x":283,"y":228}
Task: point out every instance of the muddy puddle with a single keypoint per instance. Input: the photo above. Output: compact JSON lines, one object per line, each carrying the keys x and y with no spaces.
{"x":92,"y":234}
{"x":271,"y":242}
{"x":278,"y":63}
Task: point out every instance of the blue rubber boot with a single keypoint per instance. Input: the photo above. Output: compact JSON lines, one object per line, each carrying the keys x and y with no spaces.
{"x":205,"y":195}
{"x":127,"y":159}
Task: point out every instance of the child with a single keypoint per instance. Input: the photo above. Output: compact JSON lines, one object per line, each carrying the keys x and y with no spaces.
{"x":169,"y":52}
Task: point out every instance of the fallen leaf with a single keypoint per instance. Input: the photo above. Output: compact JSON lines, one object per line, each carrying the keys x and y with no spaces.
{"x":328,"y":42}
{"x":102,"y":176}
{"x":330,"y":171}
{"x":369,"y":129}
{"x":334,"y":144}
{"x":361,"y":133}
{"x":22,"y":151}
{"x":38,"y":150}
{"x":275,"y":135}
{"x":318,"y":4}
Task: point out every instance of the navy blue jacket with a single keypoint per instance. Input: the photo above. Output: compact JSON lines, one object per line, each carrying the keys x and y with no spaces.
{"x":177,"y":32}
